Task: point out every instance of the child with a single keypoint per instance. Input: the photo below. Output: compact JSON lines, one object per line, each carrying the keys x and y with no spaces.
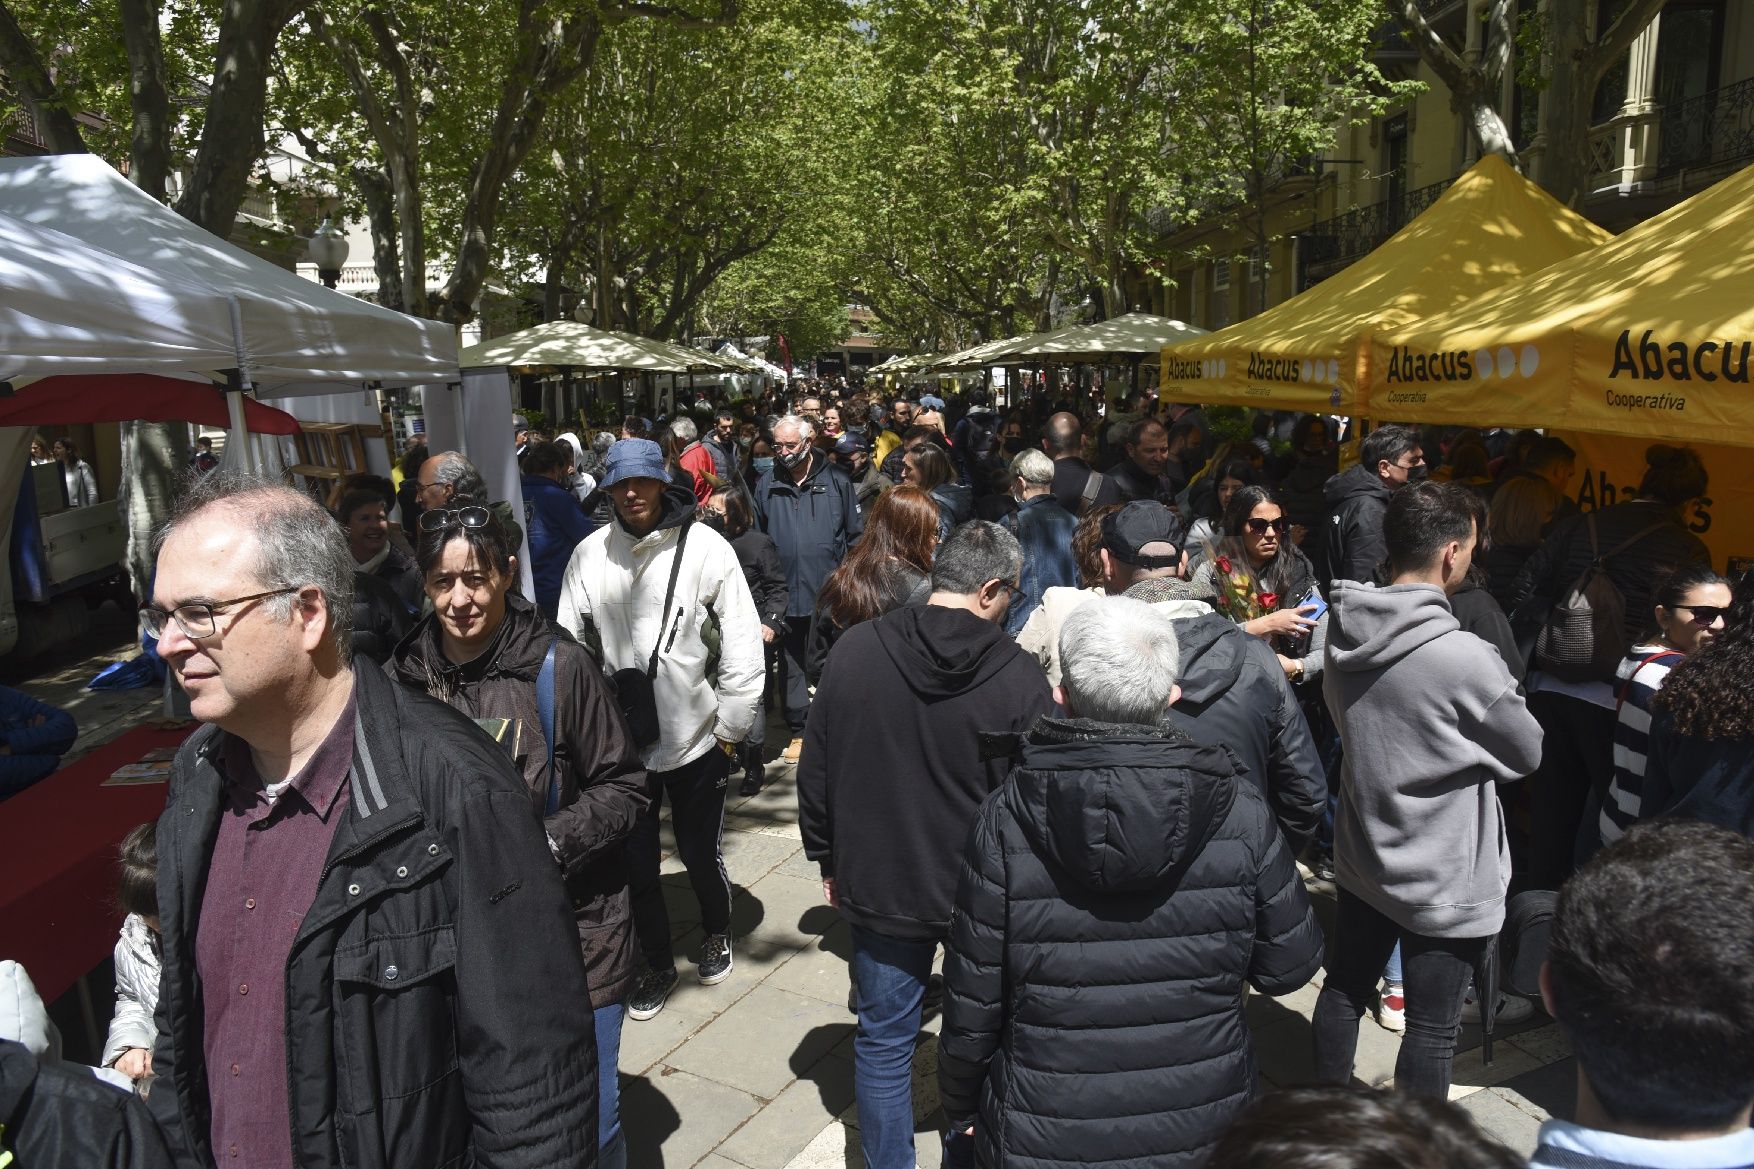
{"x":132,"y":1034}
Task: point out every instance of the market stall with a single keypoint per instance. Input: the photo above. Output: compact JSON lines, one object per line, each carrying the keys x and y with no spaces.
{"x":1312,"y":353}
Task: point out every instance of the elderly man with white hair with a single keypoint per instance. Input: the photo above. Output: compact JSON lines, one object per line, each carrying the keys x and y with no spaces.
{"x":1117,"y":893}
{"x":1044,"y":529}
{"x":810,"y":508}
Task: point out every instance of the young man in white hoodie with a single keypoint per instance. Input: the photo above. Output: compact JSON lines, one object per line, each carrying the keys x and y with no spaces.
{"x":1433,"y":722}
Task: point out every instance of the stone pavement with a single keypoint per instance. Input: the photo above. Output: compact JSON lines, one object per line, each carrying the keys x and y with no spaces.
{"x":59,"y":677}
{"x":756,"y":1073}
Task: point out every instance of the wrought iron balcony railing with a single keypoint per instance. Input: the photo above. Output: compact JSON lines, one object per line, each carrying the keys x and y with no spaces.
{"x":1712,"y":129}
{"x":1333,"y":243}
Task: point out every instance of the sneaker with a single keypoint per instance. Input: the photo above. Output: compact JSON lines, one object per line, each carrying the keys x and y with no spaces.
{"x":1511,"y":1009}
{"x":649,"y":993}
{"x":715,"y":959}
{"x":793,"y":749}
{"x":1324,"y":866}
{"x":1391,"y":1009}
{"x":754,"y":772}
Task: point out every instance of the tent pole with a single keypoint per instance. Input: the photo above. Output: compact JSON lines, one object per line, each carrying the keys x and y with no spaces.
{"x":239,"y":383}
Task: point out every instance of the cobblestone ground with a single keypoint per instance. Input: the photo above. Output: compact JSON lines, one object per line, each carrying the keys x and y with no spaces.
{"x":757,"y":1072}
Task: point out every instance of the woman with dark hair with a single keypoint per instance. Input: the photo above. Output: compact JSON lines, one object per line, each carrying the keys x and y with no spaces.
{"x":729,"y":514}
{"x":929,"y":468}
{"x":1701,"y":761}
{"x":1688,"y":616}
{"x":76,"y":472}
{"x":1234,"y":475}
{"x":1520,"y":511}
{"x":490,"y":654}
{"x":760,"y":460}
{"x":889,"y":567}
{"x":1264,"y":583}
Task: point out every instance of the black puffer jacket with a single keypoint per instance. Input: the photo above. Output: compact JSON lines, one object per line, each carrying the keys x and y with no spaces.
{"x":380,"y":619}
{"x":57,"y":1115}
{"x":1235,"y":694}
{"x":476,"y":1051}
{"x":1117,"y":892}
{"x":1353,"y":544}
{"x":602,"y":784}
{"x":1636,"y":572}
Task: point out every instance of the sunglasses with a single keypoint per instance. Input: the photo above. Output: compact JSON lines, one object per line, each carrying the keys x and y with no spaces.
{"x":1705,"y":616}
{"x":1259,"y":526}
{"x":468,"y":517}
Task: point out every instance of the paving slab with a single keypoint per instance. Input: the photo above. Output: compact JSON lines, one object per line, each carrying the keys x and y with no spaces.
{"x":674,"y":1119}
{"x":1505,"y":1119}
{"x":646,"y":1043}
{"x":820,"y":970}
{"x":787,"y":1125}
{"x":766,"y":1042}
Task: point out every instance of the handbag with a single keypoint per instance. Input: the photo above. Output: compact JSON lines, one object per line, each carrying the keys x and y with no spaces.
{"x":635,"y":693}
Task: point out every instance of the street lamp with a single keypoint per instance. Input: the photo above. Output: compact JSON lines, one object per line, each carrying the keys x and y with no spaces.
{"x":327,"y":249}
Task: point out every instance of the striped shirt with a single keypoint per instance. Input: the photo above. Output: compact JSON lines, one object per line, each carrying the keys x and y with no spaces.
{"x":1642,"y":673}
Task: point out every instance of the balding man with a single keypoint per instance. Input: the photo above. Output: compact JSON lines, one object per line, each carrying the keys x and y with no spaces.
{"x":448,"y":479}
{"x":368,"y":952}
{"x":1076,"y":484}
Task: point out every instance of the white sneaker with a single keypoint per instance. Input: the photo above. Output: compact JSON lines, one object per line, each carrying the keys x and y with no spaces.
{"x":1511,"y":1009}
{"x":1390,"y":1009}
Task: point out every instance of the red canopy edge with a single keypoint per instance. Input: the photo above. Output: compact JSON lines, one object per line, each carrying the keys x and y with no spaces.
{"x":134,"y":397}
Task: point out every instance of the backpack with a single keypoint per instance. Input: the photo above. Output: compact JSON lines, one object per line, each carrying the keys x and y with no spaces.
{"x":1584,"y":636}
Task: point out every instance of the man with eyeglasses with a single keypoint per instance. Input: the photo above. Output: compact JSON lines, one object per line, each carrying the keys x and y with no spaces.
{"x":892,"y":777}
{"x":810,"y":508}
{"x":449,"y":479}
{"x":1389,"y":458}
{"x":367,"y":948}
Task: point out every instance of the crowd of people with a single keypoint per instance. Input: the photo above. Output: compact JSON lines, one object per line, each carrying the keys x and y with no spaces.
{"x":1084,"y":701}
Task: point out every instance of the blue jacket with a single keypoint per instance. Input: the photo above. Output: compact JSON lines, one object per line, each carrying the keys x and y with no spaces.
{"x":31,"y":751}
{"x":1044,"y":528}
{"x":812,"y":523}
{"x":557,"y":522}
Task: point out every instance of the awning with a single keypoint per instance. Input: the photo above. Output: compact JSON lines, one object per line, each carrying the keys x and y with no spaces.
{"x":1129,"y":337}
{"x":143,"y":397}
{"x":560,"y":344}
{"x":1312,"y":353}
{"x":1648,"y":335}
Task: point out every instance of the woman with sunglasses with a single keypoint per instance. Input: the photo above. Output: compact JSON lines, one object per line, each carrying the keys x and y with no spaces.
{"x":483,"y":650}
{"x":1691,"y":605}
{"x":1232,"y":475}
{"x":1701,"y":762}
{"x":1257,"y":547}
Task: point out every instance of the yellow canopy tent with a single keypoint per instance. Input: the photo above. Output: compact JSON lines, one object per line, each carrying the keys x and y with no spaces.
{"x":1311,"y":353}
{"x":1647,"y":336}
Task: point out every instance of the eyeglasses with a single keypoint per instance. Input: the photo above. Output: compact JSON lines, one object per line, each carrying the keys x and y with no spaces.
{"x":1259,"y":526}
{"x":1016,"y":592}
{"x":1706,"y":616}
{"x":468,"y":517}
{"x":195,"y":619}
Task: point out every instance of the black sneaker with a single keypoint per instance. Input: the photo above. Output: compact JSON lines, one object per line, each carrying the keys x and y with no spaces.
{"x":715,"y":959}
{"x":754,"y":773}
{"x":649,"y":993}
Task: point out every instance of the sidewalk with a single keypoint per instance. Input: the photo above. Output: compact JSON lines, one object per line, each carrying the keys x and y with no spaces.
{"x":757,"y":1073}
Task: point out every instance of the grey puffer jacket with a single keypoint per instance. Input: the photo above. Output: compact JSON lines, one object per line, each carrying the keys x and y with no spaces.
{"x":137,"y":963}
{"x":1117,"y":893}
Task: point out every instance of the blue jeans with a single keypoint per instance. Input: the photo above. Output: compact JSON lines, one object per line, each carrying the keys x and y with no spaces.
{"x":613,"y":1147}
{"x":1391,"y":973}
{"x":890,"y":976}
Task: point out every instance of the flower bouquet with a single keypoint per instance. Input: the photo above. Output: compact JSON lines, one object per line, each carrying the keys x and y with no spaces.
{"x":1239,"y":593}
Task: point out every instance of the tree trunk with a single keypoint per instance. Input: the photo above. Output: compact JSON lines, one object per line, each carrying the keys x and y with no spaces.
{"x":29,"y":78}
{"x":380,"y":212}
{"x":155,"y":459}
{"x":149,"y":150}
{"x":231,"y":135}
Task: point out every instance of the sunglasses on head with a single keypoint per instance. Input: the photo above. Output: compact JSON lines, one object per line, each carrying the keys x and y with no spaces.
{"x":1705,"y":616}
{"x":1259,"y":526}
{"x":468,"y":517}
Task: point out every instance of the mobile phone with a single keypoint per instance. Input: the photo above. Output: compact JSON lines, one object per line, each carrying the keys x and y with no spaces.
{"x":1314,"y":598}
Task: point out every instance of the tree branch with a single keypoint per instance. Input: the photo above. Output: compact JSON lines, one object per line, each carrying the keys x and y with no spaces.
{"x":35,"y":87}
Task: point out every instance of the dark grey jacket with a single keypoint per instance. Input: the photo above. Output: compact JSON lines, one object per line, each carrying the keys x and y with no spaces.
{"x":1116,"y":893}
{"x":478,"y":1050}
{"x":1353,"y":545}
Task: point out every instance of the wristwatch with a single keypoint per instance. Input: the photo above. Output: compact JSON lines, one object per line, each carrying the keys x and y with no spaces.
{"x":1297,"y":675}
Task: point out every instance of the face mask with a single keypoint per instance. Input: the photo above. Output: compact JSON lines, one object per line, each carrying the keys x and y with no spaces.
{"x":745,"y":441}
{"x":792,"y":458}
{"x":1419,"y":473}
{"x":763,"y":463}
{"x":713,"y":520}
{"x":1014,"y":446}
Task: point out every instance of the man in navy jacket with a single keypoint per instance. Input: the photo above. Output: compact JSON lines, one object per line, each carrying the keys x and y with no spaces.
{"x":555,"y":518}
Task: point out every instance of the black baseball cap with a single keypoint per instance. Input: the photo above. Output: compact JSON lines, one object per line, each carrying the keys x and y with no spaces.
{"x":848,"y":442}
{"x":1141,"y":525}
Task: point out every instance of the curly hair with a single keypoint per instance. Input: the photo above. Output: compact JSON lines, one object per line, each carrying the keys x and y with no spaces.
{"x":1709,"y":696}
{"x":1087,"y":544}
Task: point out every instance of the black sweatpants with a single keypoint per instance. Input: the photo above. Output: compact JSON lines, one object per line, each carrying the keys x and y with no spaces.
{"x":797,"y":687}
{"x":1577,"y":759}
{"x":696,"y":792}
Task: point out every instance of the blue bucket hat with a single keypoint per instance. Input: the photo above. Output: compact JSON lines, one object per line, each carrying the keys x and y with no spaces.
{"x":634,"y":458}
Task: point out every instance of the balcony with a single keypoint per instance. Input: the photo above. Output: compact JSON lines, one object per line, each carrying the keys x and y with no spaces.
{"x":1714,"y":130}
{"x":1334,"y":243}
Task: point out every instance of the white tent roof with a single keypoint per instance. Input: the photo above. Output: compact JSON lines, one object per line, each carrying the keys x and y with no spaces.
{"x":573,"y":343}
{"x":296,"y":336}
{"x":1132,"y":335}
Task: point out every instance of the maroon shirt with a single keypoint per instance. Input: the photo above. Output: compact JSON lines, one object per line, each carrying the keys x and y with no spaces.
{"x":267,"y":860}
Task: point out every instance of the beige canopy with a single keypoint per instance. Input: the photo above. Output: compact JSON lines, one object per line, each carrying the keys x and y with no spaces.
{"x":579,"y":346}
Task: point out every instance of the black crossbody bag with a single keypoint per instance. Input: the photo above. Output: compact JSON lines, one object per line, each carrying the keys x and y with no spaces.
{"x":634,"y":690}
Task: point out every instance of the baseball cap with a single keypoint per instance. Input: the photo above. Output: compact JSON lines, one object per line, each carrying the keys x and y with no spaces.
{"x":848,"y":443}
{"x":931,"y":402}
{"x":634,"y":458}
{"x":1144,"y":524}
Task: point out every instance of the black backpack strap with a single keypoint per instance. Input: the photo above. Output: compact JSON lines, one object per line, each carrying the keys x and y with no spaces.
{"x":1619,"y":548}
{"x":665,"y":619}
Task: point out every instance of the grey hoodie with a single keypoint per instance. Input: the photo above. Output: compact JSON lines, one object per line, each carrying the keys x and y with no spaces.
{"x":1431,"y":720}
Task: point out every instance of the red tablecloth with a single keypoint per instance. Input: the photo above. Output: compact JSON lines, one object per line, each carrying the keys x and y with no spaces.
{"x":58,"y":839}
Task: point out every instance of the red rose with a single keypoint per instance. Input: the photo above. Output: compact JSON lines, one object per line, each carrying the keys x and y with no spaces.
{"x":1269,"y":601}
{"x":1224,"y":565}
